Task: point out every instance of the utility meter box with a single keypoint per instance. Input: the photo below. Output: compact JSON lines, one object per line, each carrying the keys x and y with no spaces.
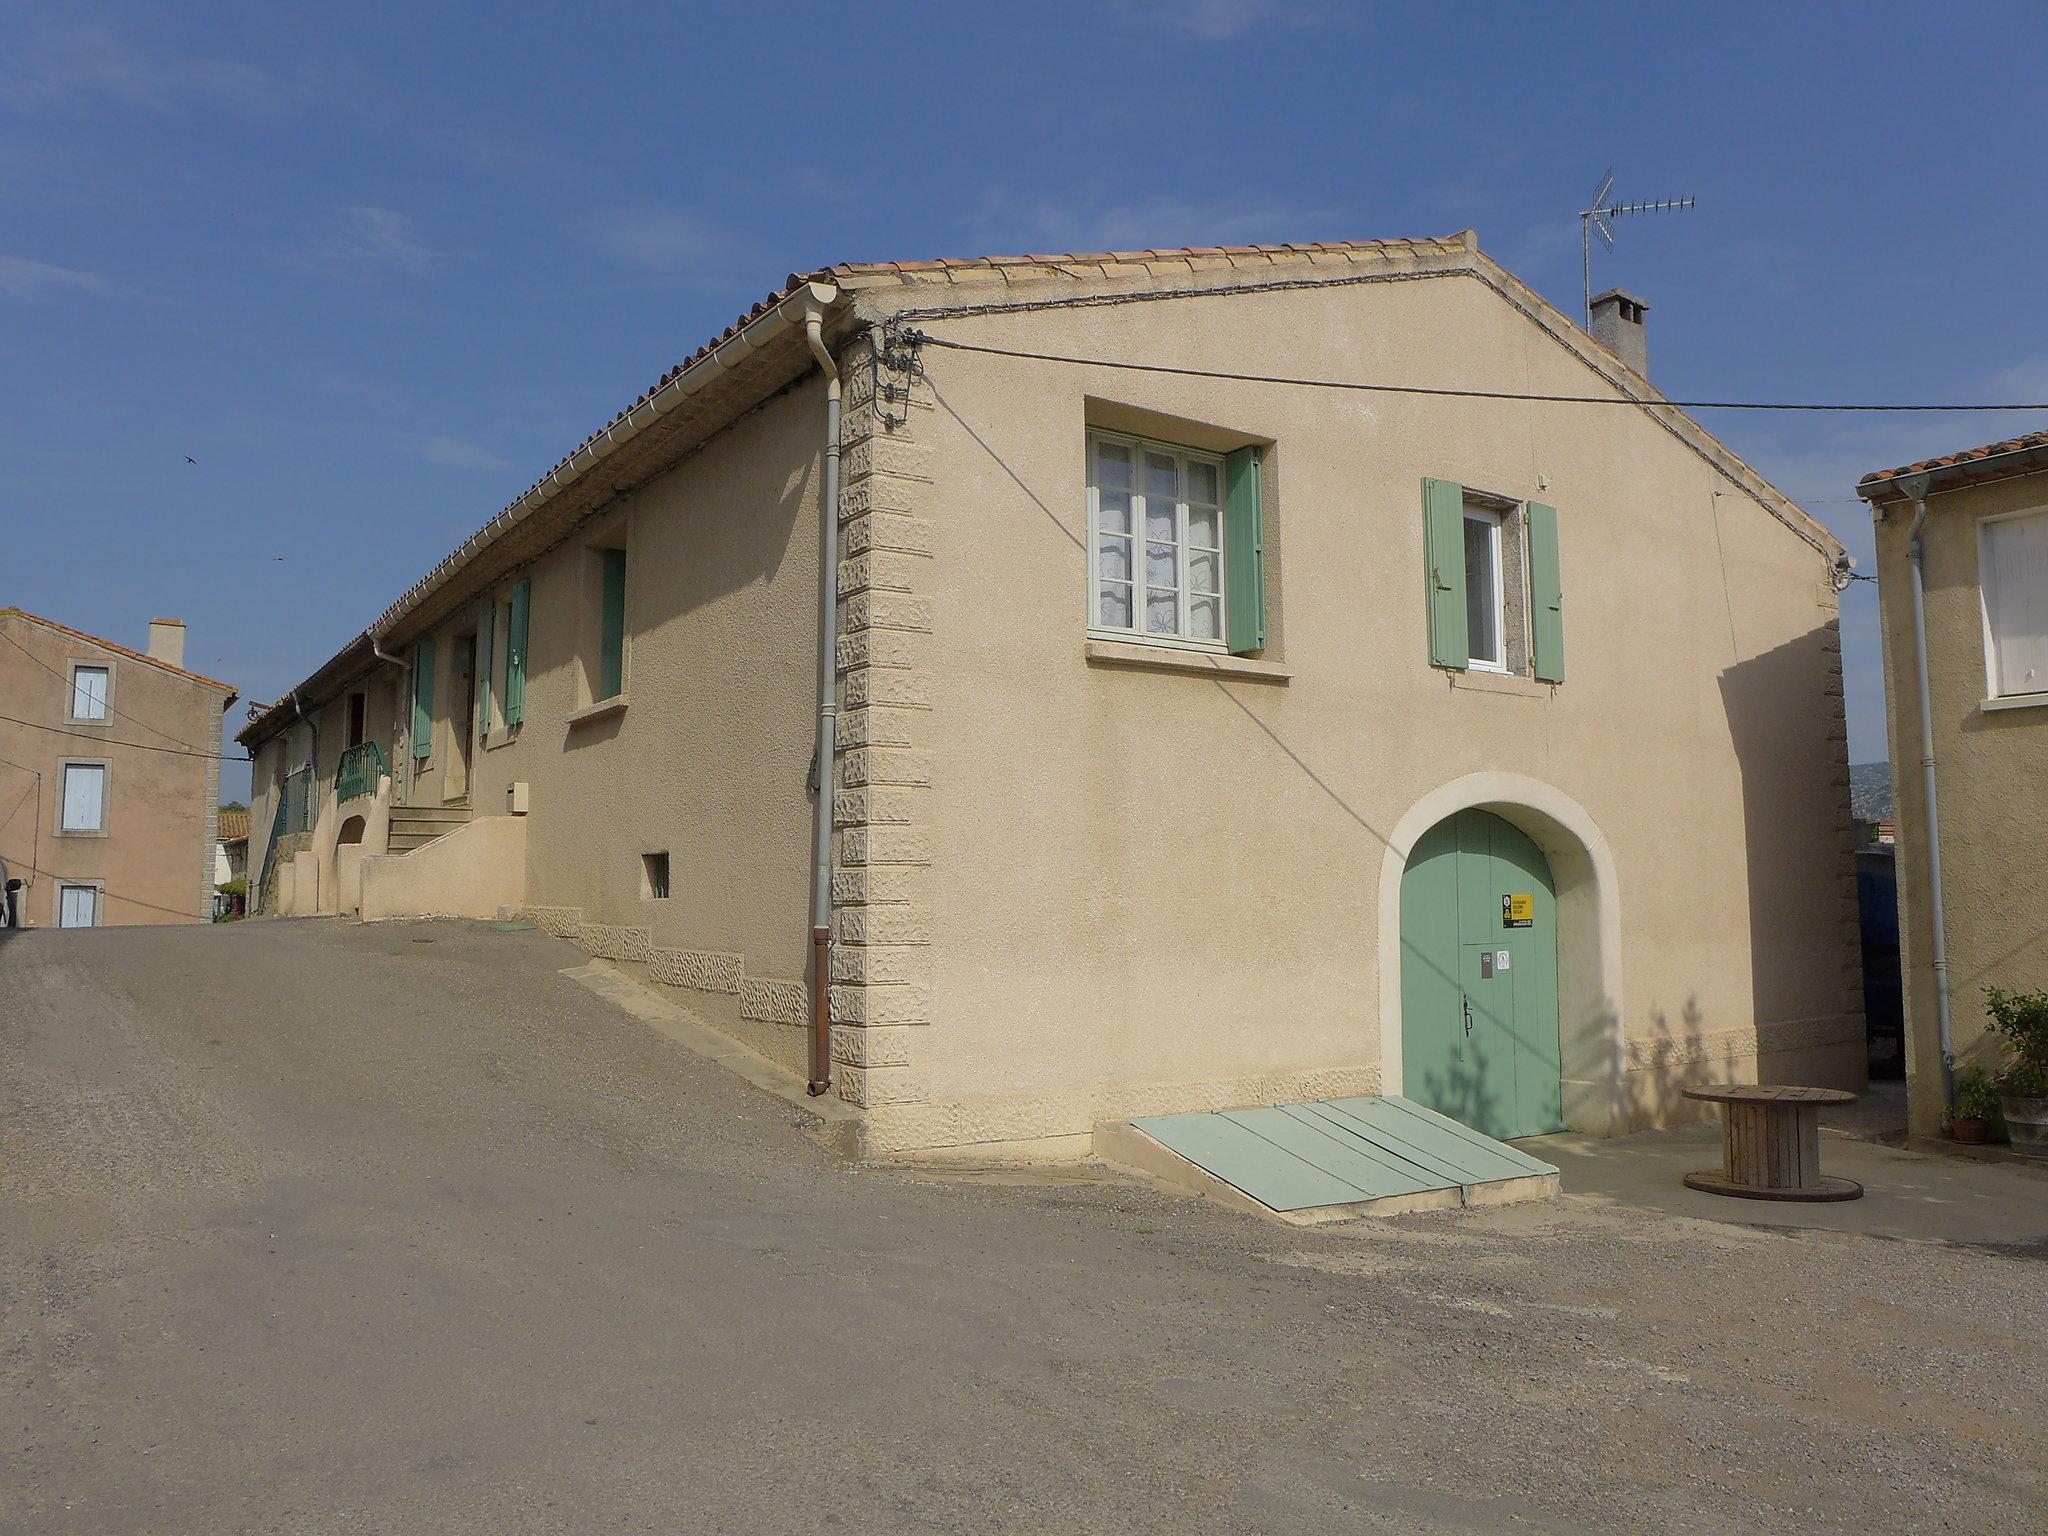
{"x":515,"y":797}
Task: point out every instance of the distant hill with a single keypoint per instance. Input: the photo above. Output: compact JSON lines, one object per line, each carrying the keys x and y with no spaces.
{"x":1870,"y":791}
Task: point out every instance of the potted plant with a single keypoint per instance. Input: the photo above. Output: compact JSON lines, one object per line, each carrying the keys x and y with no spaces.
{"x":2020,"y":1019}
{"x":1976,"y":1106}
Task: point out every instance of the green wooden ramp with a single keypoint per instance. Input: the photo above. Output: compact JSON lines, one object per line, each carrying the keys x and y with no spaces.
{"x":1347,"y":1152}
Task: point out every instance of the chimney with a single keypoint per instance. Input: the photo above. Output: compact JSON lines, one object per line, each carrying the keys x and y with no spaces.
{"x":167,"y":640}
{"x":1618,"y":326}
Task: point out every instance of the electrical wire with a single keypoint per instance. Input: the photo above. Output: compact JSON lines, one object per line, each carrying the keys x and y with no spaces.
{"x":108,"y":703}
{"x":111,"y":741}
{"x":925,"y":338}
{"x":107,"y":893}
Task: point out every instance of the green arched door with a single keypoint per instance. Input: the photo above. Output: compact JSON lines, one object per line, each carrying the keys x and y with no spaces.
{"x":1479,"y":1039}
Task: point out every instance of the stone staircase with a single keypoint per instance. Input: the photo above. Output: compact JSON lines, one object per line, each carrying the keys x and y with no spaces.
{"x":414,"y":826}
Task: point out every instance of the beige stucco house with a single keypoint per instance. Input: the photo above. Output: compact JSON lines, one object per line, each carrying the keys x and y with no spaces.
{"x":1962,"y":567}
{"x":1194,"y":736}
{"x":109,"y":776}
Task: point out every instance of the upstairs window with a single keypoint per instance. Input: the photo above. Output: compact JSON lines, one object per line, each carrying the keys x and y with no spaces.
{"x":1174,"y":544}
{"x":611,"y":624}
{"x":84,"y":804}
{"x":1485,"y":628}
{"x":1493,"y":581}
{"x":2013,"y":565}
{"x":89,"y":687}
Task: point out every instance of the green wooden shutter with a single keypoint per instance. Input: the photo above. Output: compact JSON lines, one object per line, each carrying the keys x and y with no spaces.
{"x":485,"y":623}
{"x":423,"y":699}
{"x":515,"y":653}
{"x":611,"y":633}
{"x":1244,"y":552}
{"x":1546,"y":594}
{"x":1443,"y":517}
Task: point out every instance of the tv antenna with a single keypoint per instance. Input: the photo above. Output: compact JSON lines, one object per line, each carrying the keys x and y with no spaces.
{"x":1593,"y":220}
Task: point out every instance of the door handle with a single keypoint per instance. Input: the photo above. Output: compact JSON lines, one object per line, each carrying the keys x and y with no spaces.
{"x":1465,"y":999}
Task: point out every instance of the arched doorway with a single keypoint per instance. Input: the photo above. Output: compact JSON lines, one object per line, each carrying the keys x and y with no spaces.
{"x":1479,"y":1036}
{"x":1588,"y":904}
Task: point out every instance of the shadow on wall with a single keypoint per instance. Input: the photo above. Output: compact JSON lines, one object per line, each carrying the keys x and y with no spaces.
{"x":1799,"y":867}
{"x":1675,"y":1057}
{"x":1460,"y":1091}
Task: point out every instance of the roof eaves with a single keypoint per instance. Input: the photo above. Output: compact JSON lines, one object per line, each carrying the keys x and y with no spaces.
{"x":707,"y":362}
{"x":120,"y":649}
{"x":2024,"y":455}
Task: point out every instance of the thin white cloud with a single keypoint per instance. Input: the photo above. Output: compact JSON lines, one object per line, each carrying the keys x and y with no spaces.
{"x":1004,"y":222}
{"x":365,"y":240}
{"x":2025,"y":382}
{"x":668,"y":243}
{"x":93,"y":65}
{"x":1222,"y":21}
{"x":455,"y":453}
{"x":25,"y":279}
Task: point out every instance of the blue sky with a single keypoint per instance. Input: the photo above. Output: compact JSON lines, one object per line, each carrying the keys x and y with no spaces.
{"x":377,"y":267}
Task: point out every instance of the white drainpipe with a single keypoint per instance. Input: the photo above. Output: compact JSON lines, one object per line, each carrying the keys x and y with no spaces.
{"x":828,"y":714}
{"x":1915,"y":553}
{"x":400,"y":782}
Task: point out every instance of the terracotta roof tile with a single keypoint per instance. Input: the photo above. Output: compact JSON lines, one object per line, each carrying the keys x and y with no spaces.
{"x":1956,"y":460}
{"x":232,"y":827}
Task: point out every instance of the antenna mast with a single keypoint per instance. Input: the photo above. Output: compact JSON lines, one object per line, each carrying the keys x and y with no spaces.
{"x":1593,"y":220}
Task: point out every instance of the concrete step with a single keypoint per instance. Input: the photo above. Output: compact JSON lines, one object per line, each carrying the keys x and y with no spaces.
{"x":405,"y":842}
{"x":414,"y":826}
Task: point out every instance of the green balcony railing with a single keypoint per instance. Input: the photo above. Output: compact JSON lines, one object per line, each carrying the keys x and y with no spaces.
{"x":361,"y":767}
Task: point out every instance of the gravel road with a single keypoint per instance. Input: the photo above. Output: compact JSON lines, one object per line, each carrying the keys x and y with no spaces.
{"x":308,"y":1227}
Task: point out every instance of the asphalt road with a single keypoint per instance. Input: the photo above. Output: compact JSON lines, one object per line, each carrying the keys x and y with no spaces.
{"x":308,"y":1227}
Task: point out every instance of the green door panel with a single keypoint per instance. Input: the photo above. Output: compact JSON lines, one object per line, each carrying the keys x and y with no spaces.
{"x":1432,"y":1029}
{"x":1479,"y":1035}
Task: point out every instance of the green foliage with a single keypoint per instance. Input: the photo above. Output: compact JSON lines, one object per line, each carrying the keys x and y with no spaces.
{"x":1976,"y":1097}
{"x":233,"y":887}
{"x":2020,"y":1020}
{"x":233,"y":805}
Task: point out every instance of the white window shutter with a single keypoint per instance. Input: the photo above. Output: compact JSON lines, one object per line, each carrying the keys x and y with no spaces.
{"x":84,"y":796}
{"x":2015,"y":582}
{"x":89,"y":693}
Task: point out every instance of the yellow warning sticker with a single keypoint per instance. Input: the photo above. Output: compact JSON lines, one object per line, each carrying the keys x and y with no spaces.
{"x":1518,"y":910}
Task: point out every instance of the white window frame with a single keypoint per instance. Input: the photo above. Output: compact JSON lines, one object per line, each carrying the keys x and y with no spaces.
{"x":1987,"y":596}
{"x":106,"y":714}
{"x":64,"y":767}
{"x":1492,"y":517}
{"x":99,"y":901}
{"x":1137,"y":634}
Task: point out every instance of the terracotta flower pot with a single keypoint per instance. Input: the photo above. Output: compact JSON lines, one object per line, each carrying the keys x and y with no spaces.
{"x":2026,"y":1121}
{"x":1972,"y":1131}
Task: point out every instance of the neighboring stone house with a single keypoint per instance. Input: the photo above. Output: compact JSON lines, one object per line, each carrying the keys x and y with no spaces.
{"x":1962,"y":569}
{"x":231,"y":862}
{"x":109,"y":775}
{"x":230,"y":859}
{"x":1193,"y":737}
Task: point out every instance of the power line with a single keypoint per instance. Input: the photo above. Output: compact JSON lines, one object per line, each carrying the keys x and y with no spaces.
{"x":925,"y":338}
{"x":69,"y":683}
{"x":106,"y":893}
{"x":111,"y":741}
